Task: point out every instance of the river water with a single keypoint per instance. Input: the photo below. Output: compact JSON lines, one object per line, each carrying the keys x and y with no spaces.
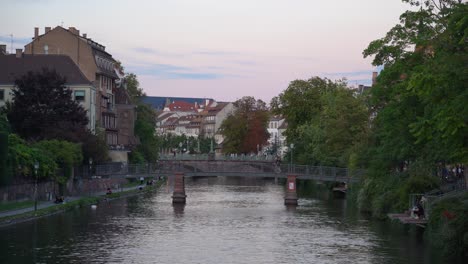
{"x":225,"y":220}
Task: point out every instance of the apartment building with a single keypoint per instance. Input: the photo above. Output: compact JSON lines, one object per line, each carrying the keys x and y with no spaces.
{"x":94,"y":62}
{"x":13,"y":66}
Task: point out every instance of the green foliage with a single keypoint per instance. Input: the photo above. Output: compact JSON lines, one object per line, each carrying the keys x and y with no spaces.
{"x":65,"y":155}
{"x":418,"y":104}
{"x":43,"y":108}
{"x":326,"y":122}
{"x":133,"y":87}
{"x":145,"y":127}
{"x":22,"y":158}
{"x":5,"y":170}
{"x":246,"y":128}
{"x":135,"y":157}
{"x":448,"y":227}
{"x":420,"y":96}
{"x":95,"y":147}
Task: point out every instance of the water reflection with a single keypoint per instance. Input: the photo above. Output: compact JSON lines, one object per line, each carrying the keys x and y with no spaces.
{"x":225,"y":220}
{"x":178,"y":209}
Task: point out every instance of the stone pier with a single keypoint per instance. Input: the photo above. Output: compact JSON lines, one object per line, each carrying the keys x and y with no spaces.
{"x":291,"y":194}
{"x":178,"y":196}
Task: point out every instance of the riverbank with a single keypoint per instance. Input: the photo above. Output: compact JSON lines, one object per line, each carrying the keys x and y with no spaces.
{"x":447,"y":222}
{"x":28,"y":214}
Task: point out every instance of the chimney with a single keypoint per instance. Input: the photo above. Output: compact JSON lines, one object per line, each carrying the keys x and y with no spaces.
{"x":74,"y":30}
{"x":85,"y":35}
{"x":374,"y":78}
{"x":2,"y":49}
{"x":19,"y":53}
{"x":46,"y":29}
{"x":36,"y":32}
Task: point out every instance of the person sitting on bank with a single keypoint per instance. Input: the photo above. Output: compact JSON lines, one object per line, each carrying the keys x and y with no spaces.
{"x":58,"y":199}
{"x":419,"y":210}
{"x":109,"y":191}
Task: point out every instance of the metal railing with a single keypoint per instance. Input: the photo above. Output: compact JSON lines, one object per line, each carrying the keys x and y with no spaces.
{"x":228,"y":168}
{"x":179,"y":156}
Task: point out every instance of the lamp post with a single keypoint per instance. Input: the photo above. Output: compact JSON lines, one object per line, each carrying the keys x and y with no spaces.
{"x":211,"y":146}
{"x":36,"y":167}
{"x":90,"y":166}
{"x":180,"y":148}
{"x":291,"y":146}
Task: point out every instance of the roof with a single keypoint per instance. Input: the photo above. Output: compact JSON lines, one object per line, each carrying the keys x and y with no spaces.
{"x":182,"y":106}
{"x":213,"y":110}
{"x":158,"y":102}
{"x":12,"y":67}
{"x":276,"y":118}
{"x":163,"y":116}
{"x":284,"y":125}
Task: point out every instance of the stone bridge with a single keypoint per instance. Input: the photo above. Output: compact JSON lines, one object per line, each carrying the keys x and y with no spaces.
{"x":229,"y":168}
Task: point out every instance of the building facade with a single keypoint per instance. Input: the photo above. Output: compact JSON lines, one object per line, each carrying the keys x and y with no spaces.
{"x":95,"y":63}
{"x":15,"y":65}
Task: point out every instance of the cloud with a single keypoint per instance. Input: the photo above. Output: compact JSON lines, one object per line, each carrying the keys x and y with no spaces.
{"x":7,"y":39}
{"x":168,"y":71}
{"x":349,"y":74}
{"x":156,"y":52}
{"x":244,"y":62}
{"x":216,"y":53}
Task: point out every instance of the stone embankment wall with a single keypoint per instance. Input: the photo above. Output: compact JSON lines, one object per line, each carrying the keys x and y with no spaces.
{"x":46,"y":191}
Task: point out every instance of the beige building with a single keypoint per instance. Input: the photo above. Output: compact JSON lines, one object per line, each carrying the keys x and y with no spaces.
{"x":15,"y":65}
{"x":95,"y":63}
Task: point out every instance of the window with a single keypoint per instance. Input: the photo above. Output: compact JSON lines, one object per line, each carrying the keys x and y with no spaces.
{"x":2,"y":95}
{"x":79,"y":95}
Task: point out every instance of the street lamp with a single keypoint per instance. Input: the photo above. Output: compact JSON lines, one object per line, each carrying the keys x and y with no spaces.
{"x":90,"y":166}
{"x":36,"y":167}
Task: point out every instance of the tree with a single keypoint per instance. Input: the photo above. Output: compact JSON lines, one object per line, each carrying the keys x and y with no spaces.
{"x":246,"y":128}
{"x":420,"y":95}
{"x":43,"y":108}
{"x":133,"y":87}
{"x":145,"y":127}
{"x":325,"y":120}
{"x":65,"y":155}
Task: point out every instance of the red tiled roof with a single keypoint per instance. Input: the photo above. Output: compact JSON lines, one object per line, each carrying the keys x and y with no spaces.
{"x":181,"y":106}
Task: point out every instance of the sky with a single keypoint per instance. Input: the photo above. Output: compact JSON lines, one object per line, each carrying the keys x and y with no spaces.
{"x":218,"y":48}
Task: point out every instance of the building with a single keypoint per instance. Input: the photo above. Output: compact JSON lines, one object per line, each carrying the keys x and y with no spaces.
{"x":97,"y":65}
{"x":159,"y":103}
{"x":196,"y":119}
{"x":277,"y":141}
{"x":212,"y":118}
{"x":15,"y":65}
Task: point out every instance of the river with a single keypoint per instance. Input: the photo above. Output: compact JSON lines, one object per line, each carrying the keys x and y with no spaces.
{"x":225,"y":220}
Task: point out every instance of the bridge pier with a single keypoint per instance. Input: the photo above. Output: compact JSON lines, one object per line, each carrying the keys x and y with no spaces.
{"x":178,"y":196}
{"x":291,"y":194}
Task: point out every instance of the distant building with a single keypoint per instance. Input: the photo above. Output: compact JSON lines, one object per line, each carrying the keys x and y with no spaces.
{"x":212,"y":118}
{"x":277,"y":141}
{"x":196,"y":119}
{"x":15,"y":65}
{"x":160,"y":102}
{"x":363,"y":88}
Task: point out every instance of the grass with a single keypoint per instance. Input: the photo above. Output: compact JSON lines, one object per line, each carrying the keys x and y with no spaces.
{"x":15,"y":205}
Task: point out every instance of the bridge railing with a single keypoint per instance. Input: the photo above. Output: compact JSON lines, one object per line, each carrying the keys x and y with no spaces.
{"x":217,"y":157}
{"x":247,"y":167}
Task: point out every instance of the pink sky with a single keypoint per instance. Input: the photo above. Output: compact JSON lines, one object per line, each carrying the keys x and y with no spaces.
{"x":219,"y":49}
